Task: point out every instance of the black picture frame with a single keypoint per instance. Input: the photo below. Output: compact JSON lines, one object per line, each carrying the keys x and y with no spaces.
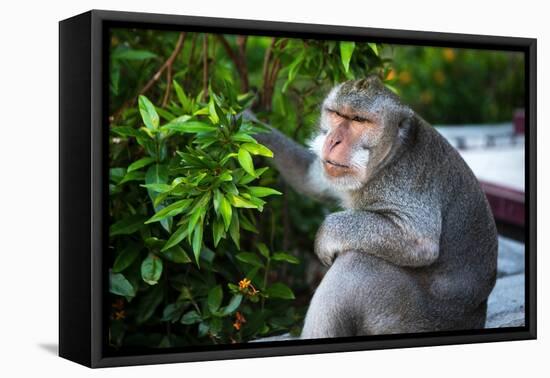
{"x":83,"y":154}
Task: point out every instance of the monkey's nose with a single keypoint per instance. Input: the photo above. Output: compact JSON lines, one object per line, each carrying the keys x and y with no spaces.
{"x":333,"y":143}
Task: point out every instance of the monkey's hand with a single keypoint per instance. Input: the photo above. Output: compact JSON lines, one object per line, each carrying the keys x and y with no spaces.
{"x":328,"y":244}
{"x":384,"y":236}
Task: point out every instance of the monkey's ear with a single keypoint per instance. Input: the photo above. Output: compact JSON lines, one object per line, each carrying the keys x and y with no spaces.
{"x":407,"y":123}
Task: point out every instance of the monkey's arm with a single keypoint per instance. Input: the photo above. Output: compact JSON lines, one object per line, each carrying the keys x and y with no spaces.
{"x":400,"y":240}
{"x":298,"y":166}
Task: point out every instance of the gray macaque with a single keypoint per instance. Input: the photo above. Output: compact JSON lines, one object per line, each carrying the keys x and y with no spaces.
{"x":415,"y":249}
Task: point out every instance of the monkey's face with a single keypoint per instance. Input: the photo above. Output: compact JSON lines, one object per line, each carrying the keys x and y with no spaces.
{"x":355,"y":134}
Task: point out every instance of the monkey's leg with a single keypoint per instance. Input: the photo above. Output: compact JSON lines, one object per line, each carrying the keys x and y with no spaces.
{"x":330,"y":312}
{"x":362,"y":294}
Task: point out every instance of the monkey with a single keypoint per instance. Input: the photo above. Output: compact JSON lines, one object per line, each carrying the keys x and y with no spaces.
{"x":414,"y":248}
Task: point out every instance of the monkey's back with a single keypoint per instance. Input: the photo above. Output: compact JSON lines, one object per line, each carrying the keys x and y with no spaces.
{"x":465,"y":270}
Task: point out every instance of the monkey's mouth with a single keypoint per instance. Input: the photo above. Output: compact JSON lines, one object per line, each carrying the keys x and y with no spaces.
{"x":340,"y":165}
{"x":336,"y":169}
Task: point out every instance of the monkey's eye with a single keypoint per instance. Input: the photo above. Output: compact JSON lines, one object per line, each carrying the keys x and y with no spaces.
{"x":334,"y":112}
{"x":360,"y":119}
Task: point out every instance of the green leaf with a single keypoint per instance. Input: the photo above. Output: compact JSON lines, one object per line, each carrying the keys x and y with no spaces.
{"x":392,"y":88}
{"x":229,"y":187}
{"x":172,"y":312}
{"x":218,"y":197}
{"x":116,"y":174}
{"x":263,"y":250}
{"x":246,"y":179}
{"x":225,"y":176}
{"x":125,"y":258}
{"x":233,"y":305}
{"x":234,"y":229}
{"x":165,"y":114}
{"x":226,"y":211}
{"x":171,"y":210}
{"x":212,"y":110}
{"x":151,"y":269}
{"x":176,"y":237}
{"x":374,"y":48}
{"x":249,"y":258}
{"x":176,"y":254}
{"x":257,"y":149}
{"x":204,"y":328}
{"x":293,"y":70}
{"x":197,"y":241}
{"x":281,"y":256}
{"x":130,"y":54}
{"x":148,"y":303}
{"x":184,"y":100}
{"x":127,"y":226}
{"x":227,"y":157}
{"x":148,"y":113}
{"x":191,"y":317}
{"x":247,"y":225}
{"x":126,"y":131}
{"x":243,"y":137}
{"x":132,"y":176}
{"x":143,"y":162}
{"x":280,"y":290}
{"x":215,"y":296}
{"x":260,"y":191}
{"x":158,"y":188}
{"x":346,"y":52}
{"x":158,"y":174}
{"x":245,"y":160}
{"x":218,"y":231}
{"x":189,"y":127}
{"x":237,"y":201}
{"x":119,"y":285}
{"x":197,"y":214}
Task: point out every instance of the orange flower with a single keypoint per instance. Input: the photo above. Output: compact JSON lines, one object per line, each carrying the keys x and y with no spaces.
{"x":240,"y":317}
{"x":244,"y":283}
{"x":120,"y":315}
{"x":239,"y":321}
{"x":391,"y":74}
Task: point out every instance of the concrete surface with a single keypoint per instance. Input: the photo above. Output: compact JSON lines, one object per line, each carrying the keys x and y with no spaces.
{"x":506,"y":307}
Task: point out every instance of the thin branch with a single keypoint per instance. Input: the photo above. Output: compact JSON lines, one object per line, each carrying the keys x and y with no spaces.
{"x":205,"y":67}
{"x":168,"y":87}
{"x":270,"y":74}
{"x":265,"y":68}
{"x":272,"y":79}
{"x":239,"y":60}
{"x":166,"y":65}
{"x":243,"y":69}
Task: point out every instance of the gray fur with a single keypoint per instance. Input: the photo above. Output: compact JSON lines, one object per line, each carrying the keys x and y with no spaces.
{"x":415,"y":248}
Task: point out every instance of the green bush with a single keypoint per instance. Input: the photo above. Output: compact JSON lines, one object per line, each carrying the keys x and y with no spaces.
{"x":193,"y":259}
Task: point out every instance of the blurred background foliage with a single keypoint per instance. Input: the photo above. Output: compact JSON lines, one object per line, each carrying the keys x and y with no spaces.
{"x":203,"y":250}
{"x":459,"y":86}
